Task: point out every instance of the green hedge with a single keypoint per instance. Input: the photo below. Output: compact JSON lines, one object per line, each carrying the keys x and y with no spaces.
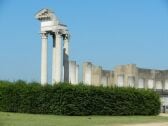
{"x":66,"y":99}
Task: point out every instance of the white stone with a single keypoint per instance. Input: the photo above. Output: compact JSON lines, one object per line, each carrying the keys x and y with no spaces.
{"x":66,"y":58}
{"x":51,"y":25}
{"x":58,"y":59}
{"x":77,"y":74}
{"x":164,"y":100}
{"x":141,"y":83}
{"x":166,"y":85}
{"x":47,"y":23}
{"x":87,"y":71}
{"x":150,"y":84}
{"x":44,"y":59}
{"x":131,"y":81}
{"x":120,"y":80}
{"x":54,"y":60}
{"x":104,"y":80}
{"x":72,"y":72}
{"x":158,"y":85}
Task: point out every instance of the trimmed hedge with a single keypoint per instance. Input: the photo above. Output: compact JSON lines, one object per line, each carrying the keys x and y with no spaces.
{"x":66,"y":99}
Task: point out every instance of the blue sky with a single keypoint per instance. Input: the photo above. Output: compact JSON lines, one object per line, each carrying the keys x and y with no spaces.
{"x":106,"y":32}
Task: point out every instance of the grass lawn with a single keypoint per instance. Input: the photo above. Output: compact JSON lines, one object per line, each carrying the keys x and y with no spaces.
{"x":17,"y":119}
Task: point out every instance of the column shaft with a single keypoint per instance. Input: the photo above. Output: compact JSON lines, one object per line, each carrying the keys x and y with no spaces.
{"x":72,"y":72}
{"x":77,"y":74}
{"x":66,"y":59}
{"x":53,"y":60}
{"x":58,"y":59}
{"x":44,"y":59}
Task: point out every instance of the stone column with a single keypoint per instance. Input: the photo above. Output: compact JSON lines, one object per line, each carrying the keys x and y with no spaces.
{"x":77,"y":74}
{"x":87,"y":73}
{"x":96,"y":75}
{"x":66,"y":58}
{"x":53,"y":59}
{"x":57,"y":59}
{"x":44,"y":47}
{"x":72,"y":72}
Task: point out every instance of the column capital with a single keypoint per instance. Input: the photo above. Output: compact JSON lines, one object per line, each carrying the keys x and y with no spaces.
{"x":66,"y":36}
{"x":44,"y":35}
{"x":57,"y":34}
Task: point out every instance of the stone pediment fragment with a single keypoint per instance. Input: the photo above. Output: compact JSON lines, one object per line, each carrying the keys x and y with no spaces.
{"x":46,"y":15}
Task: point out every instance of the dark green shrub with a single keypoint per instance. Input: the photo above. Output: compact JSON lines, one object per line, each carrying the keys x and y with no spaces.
{"x":66,"y":99}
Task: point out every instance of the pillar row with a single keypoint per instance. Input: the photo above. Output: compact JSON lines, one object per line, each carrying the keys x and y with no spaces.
{"x":58,"y":62}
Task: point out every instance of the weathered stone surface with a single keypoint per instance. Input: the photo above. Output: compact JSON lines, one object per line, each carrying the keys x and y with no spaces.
{"x":73,"y":72}
{"x":87,"y":73}
{"x":129,"y":75}
{"x":125,"y":75}
{"x":50,"y":25}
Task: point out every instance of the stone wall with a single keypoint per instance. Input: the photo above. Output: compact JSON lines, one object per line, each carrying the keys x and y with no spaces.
{"x":73,"y":72}
{"x":129,"y":76}
{"x":95,"y":75}
{"x":124,"y":76}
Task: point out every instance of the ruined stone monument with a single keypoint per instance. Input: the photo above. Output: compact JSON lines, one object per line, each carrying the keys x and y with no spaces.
{"x":50,"y":25}
{"x":125,"y":76}
{"x":67,"y":71}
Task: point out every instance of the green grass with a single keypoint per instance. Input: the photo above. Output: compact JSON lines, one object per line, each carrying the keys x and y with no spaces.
{"x":17,"y":119}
